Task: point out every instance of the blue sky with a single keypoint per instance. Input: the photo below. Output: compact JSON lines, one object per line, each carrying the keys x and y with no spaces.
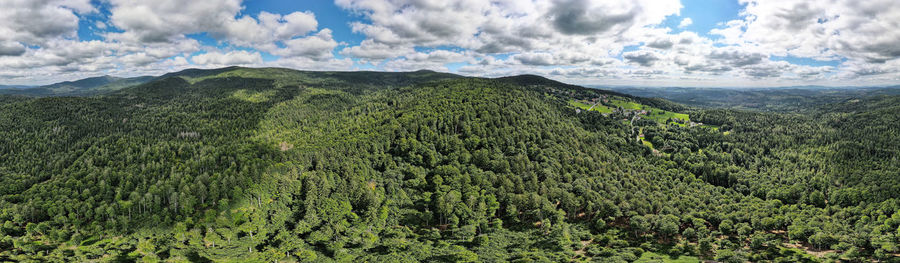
{"x":638,"y":42}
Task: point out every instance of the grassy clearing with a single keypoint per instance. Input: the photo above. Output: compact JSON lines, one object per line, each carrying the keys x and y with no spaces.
{"x":579,"y":104}
{"x":658,"y":115}
{"x":584,"y":106}
{"x":647,"y":257}
{"x":712,"y":127}
{"x":646,"y":143}
{"x":602,"y":109}
{"x":662,"y":116}
{"x":628,"y":105}
{"x":644,"y":140}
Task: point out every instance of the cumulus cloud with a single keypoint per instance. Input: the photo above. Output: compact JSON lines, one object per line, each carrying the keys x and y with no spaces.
{"x":369,"y":49}
{"x":318,"y":46}
{"x":581,"y":41}
{"x":304,"y":63}
{"x":439,"y":56}
{"x":685,"y":22}
{"x":535,"y":59}
{"x":270,"y":28}
{"x":11,"y":48}
{"x":766,"y":70}
{"x":587,"y":72}
{"x":35,"y":22}
{"x":163,"y":20}
{"x":661,"y":44}
{"x":216,"y":58}
{"x":506,"y":25}
{"x":736,"y":57}
{"x":858,"y":30}
{"x":401,"y":22}
{"x":41,"y":35}
{"x":642,"y":58}
{"x":584,"y":17}
{"x":168,"y":21}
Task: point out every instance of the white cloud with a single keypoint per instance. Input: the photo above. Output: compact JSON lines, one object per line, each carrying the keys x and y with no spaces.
{"x":304,"y":63}
{"x":36,"y":21}
{"x":505,"y":26}
{"x":167,"y":21}
{"x":270,"y":28}
{"x":643,"y":58}
{"x":163,"y":20}
{"x":581,"y":41}
{"x":687,"y":21}
{"x":216,"y":58}
{"x":369,"y":49}
{"x":535,"y":59}
{"x":11,"y":48}
{"x":858,"y":30}
{"x":318,"y":46}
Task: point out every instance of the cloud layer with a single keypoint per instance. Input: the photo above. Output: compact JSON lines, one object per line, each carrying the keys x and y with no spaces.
{"x":639,"y":42}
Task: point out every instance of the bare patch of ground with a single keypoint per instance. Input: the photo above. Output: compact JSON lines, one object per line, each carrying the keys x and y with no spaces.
{"x":284,"y":146}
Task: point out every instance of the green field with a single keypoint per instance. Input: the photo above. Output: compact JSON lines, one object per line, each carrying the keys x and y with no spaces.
{"x":644,"y":140}
{"x":602,"y":109}
{"x":658,"y":115}
{"x":662,"y":116}
{"x":579,"y":104}
{"x":647,"y":143}
{"x":599,"y":107}
{"x":713,"y":127}
{"x":628,"y":105}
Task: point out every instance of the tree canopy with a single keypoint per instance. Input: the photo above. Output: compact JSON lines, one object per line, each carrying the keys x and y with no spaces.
{"x":271,"y":165}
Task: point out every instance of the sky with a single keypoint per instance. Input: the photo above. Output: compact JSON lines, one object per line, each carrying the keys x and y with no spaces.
{"x":708,"y":43}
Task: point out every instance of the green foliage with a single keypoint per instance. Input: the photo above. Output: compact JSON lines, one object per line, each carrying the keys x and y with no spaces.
{"x":263,"y":165}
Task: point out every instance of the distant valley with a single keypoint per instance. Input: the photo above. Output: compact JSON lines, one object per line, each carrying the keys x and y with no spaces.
{"x":786,"y":99}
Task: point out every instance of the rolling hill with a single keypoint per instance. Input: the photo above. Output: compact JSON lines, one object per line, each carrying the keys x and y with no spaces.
{"x":82,"y":87}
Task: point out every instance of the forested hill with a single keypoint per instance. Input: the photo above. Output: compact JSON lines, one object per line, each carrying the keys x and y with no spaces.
{"x":82,"y":87}
{"x":277,"y":165}
{"x":587,"y":93}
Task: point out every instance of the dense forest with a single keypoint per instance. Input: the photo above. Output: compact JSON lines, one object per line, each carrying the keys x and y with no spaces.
{"x":277,"y":165}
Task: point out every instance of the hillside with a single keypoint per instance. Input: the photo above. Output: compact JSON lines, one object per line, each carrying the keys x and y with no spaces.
{"x":271,"y":164}
{"x":82,"y":87}
{"x":14,"y":87}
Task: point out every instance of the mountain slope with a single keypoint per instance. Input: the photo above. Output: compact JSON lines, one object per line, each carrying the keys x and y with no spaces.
{"x":14,"y":86}
{"x":82,"y":87}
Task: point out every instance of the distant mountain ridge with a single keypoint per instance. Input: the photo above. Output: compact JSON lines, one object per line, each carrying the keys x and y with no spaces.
{"x":786,"y":99}
{"x":15,"y":87}
{"x":83,"y":87}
